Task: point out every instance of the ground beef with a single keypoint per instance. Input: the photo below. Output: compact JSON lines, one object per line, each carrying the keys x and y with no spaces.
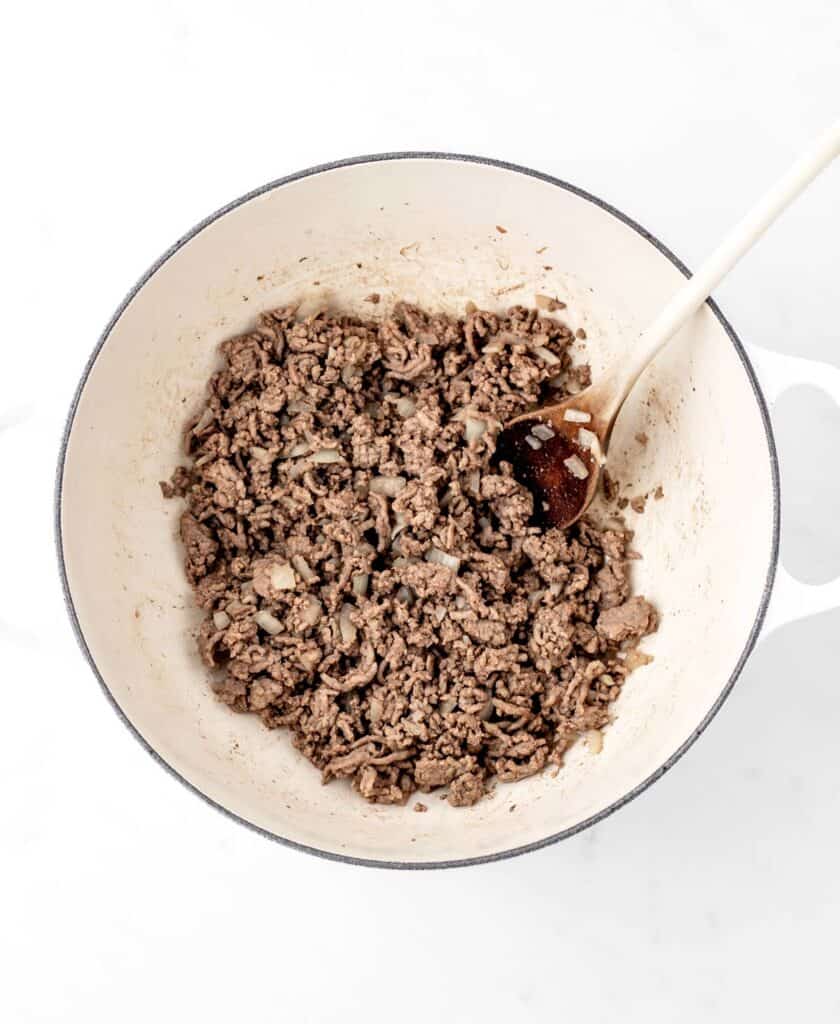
{"x":372,"y":580}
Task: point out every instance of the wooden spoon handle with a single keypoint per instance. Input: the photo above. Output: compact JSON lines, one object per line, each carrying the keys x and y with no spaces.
{"x":740,"y":240}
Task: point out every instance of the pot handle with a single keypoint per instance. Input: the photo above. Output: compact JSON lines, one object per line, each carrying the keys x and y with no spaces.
{"x":792,"y":599}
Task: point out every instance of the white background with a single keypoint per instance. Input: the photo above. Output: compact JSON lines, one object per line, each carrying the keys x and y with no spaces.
{"x":123,"y":897}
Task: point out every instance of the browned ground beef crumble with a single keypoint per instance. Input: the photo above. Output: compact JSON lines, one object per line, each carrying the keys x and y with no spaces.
{"x":372,"y":580}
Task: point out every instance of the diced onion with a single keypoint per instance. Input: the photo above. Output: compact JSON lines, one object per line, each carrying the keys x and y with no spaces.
{"x":442,"y":558}
{"x":534,"y":442}
{"x":347,"y":629}
{"x":405,"y":595}
{"x":360,"y":584}
{"x":594,"y":740}
{"x":297,"y":406}
{"x":296,"y":450}
{"x":348,"y":373}
{"x":400,"y":524}
{"x":265,"y":620}
{"x":311,"y":613}
{"x":546,"y":355}
{"x":221,"y":620}
{"x":473,"y":429}
{"x":282,"y":577}
{"x":326,"y":456}
{"x":492,"y":347}
{"x":576,"y":416}
{"x":309,"y":659}
{"x":576,"y":467}
{"x":543,"y":431}
{"x":374,"y":709}
{"x":589,"y":440}
{"x":406,"y":407}
{"x":390,"y":486}
{"x":548,"y":303}
{"x":260,"y":454}
{"x":204,"y":420}
{"x":303,"y":569}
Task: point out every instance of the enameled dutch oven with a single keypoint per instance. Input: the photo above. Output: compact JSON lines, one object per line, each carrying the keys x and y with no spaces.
{"x":424,"y":227}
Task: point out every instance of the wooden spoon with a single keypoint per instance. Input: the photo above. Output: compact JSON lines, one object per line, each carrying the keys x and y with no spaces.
{"x":560,"y":450}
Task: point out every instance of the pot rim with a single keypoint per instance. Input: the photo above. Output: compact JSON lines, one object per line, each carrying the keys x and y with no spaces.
{"x":514,"y":851}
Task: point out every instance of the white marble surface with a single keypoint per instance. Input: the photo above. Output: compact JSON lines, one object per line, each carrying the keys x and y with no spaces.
{"x":716,"y":894}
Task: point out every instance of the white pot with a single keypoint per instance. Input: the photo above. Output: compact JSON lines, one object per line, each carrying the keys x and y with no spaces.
{"x":424,"y":227}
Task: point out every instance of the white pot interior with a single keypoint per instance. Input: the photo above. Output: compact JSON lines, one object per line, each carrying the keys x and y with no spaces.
{"x":422,"y":229}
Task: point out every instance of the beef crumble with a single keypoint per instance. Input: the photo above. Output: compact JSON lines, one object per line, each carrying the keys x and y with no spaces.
{"x":371,"y":577}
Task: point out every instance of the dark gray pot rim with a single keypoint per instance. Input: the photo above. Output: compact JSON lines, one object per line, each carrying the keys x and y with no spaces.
{"x":642,"y":786}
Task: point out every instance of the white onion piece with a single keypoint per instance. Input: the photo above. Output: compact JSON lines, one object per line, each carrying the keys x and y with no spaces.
{"x":221,"y":620}
{"x":405,"y":595}
{"x":492,"y":347}
{"x":406,"y":407}
{"x":326,"y":456}
{"x":282,"y":577}
{"x":296,"y":450}
{"x":360,"y":584}
{"x":594,"y":741}
{"x":390,"y":486}
{"x":309,"y":659}
{"x":556,"y":382}
{"x":400,"y":524}
{"x":375,"y":709}
{"x":535,"y":598}
{"x":303,"y":569}
{"x":589,"y":440}
{"x":576,"y":416}
{"x":204,"y":420}
{"x":576,"y":467}
{"x":546,"y":355}
{"x":265,"y":620}
{"x":543,"y":431}
{"x":311,"y":613}
{"x":260,"y":454}
{"x":296,"y":406}
{"x":534,"y":442}
{"x":442,"y":558}
{"x":447,"y":706}
{"x":346,"y":628}
{"x":473,"y":429}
